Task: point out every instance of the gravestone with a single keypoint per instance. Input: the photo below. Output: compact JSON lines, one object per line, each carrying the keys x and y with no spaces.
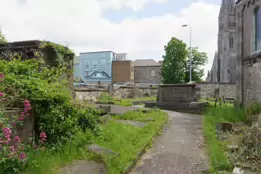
{"x":178,"y":97}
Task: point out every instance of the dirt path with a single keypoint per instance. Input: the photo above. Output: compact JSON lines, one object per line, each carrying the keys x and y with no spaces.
{"x":179,"y":150}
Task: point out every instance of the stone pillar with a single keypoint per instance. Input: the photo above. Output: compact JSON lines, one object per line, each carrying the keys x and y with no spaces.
{"x":110,"y":89}
{"x":239,"y":55}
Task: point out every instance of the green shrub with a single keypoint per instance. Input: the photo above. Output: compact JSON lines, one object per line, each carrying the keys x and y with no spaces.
{"x":105,"y":97}
{"x":50,"y":96}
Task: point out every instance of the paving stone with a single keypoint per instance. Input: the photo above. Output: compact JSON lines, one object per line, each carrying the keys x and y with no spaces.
{"x":133,"y":123}
{"x":83,"y":167}
{"x":101,"y":150}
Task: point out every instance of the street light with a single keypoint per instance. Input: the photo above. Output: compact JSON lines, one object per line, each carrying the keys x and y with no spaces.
{"x":190,"y":57}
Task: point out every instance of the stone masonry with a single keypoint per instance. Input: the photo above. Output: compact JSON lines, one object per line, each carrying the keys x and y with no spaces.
{"x":224,"y":65}
{"x":248,"y":83}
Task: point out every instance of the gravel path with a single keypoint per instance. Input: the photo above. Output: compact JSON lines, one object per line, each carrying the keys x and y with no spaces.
{"x":178,"y":150}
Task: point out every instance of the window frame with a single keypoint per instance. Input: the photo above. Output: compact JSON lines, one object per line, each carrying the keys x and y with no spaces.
{"x":151,"y":74}
{"x":256,"y":29}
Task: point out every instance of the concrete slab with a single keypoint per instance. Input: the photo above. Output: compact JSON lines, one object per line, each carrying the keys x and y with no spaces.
{"x":83,"y":167}
{"x":101,"y":150}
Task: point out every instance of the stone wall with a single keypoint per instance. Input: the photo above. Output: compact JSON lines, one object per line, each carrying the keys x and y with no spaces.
{"x":27,"y":129}
{"x":131,"y":92}
{"x":207,"y":89}
{"x":88,"y":94}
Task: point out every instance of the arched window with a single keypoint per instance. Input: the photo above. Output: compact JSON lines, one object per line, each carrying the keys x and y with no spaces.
{"x":231,"y":41}
{"x":257,"y":29}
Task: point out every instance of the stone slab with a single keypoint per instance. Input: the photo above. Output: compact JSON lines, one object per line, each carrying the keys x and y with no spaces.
{"x":133,"y":123}
{"x":224,"y":126}
{"x":101,"y":150}
{"x":105,"y":108}
{"x":84,"y":167}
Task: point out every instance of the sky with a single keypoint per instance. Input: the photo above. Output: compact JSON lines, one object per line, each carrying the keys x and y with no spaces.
{"x":140,"y":28}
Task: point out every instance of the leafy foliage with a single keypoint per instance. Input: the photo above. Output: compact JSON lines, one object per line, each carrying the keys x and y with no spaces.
{"x":174,"y":63}
{"x":198,"y":61}
{"x":51,"y":98}
{"x":2,"y":38}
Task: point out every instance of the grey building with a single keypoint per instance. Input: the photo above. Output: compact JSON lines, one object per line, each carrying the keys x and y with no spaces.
{"x":225,"y":58}
{"x":147,"y":71}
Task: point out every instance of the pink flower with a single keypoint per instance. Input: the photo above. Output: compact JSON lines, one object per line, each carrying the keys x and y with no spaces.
{"x":7,"y":141}
{"x":21,"y":118}
{"x":12,"y":149}
{"x":22,"y":156}
{"x":43,"y":135}
{"x":7,"y":132}
{"x":43,"y":148}
{"x":17,"y":139}
{"x":35,"y":147}
{"x":1,"y":94}
{"x":2,"y":76}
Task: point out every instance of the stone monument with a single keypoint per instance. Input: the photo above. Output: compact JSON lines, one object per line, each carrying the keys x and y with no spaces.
{"x":178,"y":97}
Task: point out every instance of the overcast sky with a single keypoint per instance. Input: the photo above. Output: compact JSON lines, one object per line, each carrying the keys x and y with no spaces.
{"x":140,"y":28}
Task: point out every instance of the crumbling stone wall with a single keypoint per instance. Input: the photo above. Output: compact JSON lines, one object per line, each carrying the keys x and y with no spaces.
{"x":207,"y":89}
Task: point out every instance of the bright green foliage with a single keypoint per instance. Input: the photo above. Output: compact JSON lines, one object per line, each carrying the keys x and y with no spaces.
{"x":50,"y":96}
{"x":2,"y":38}
{"x":105,"y":97}
{"x":174,"y":63}
{"x":199,"y":59}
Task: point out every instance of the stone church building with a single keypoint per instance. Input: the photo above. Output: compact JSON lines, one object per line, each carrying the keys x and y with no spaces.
{"x":224,"y":63}
{"x":248,"y":34}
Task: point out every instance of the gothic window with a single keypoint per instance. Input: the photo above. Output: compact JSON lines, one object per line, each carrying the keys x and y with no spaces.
{"x":231,"y":41}
{"x":257,"y":29}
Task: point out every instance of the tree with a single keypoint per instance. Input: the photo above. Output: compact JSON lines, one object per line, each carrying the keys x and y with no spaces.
{"x":2,"y":38}
{"x":174,"y":63}
{"x":199,"y":59}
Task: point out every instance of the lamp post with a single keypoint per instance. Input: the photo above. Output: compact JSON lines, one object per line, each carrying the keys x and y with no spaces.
{"x":190,"y":56}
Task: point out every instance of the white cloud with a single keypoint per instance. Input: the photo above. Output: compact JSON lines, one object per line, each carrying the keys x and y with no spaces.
{"x":135,"y":5}
{"x":80,"y":23}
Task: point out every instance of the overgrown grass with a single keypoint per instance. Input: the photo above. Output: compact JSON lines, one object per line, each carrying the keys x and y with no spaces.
{"x":53,"y":158}
{"x":128,"y":140}
{"x":128,"y":101}
{"x":216,"y":148}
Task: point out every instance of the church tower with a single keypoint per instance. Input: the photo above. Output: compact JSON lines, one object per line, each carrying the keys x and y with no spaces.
{"x":226,"y":42}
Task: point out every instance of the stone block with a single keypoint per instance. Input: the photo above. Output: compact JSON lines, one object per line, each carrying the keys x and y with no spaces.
{"x":101,"y":150}
{"x":198,"y":105}
{"x":150,"y":104}
{"x":105,"y":108}
{"x":224,"y":126}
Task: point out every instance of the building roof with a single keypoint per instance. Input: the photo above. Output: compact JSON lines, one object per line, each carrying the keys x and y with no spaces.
{"x":96,"y":52}
{"x":146,"y":62}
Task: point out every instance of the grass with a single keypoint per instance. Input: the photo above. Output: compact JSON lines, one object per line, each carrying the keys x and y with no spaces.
{"x":217,"y":149}
{"x":53,"y":158}
{"x":126,"y":140}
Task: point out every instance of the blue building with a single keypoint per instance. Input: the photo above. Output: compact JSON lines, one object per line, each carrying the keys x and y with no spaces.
{"x":94,"y":67}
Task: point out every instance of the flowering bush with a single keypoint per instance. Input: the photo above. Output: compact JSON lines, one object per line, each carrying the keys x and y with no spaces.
{"x":13,"y":153}
{"x":51,"y":98}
